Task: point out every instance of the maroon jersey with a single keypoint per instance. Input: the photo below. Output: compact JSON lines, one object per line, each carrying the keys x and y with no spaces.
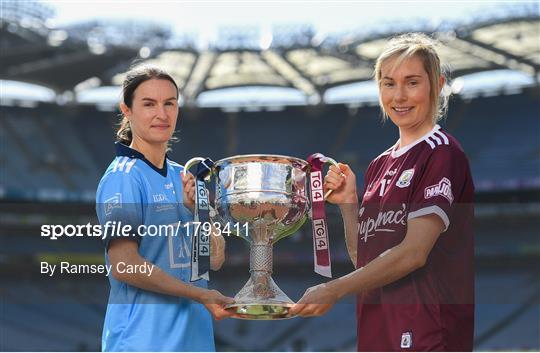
{"x":432,"y":308}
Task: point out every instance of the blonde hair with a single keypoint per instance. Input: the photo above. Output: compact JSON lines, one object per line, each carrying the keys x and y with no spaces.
{"x":418,"y":45}
{"x":134,"y":77}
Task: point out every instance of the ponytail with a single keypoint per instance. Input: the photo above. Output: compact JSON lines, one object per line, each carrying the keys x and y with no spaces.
{"x":123,"y":134}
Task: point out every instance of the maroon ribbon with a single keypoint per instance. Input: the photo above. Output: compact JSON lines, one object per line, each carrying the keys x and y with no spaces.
{"x":321,"y":245}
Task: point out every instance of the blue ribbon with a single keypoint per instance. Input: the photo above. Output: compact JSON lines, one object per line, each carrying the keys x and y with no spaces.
{"x":200,"y":252}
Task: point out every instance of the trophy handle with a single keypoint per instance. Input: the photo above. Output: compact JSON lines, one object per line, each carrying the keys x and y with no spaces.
{"x":326,"y":159}
{"x":192,"y":162}
{"x":214,"y":216}
{"x":333,"y":162}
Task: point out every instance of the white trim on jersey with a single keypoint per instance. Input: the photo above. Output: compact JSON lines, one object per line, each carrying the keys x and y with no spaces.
{"x":121,"y":163}
{"x":431,"y":210}
{"x":115,"y":165}
{"x":431,"y":144}
{"x":401,"y":151}
{"x":438,"y":140}
{"x":130,"y":164}
{"x":438,"y":137}
{"x":445,"y":139}
{"x":115,"y":168}
{"x":388,"y":151}
{"x":174,"y":164}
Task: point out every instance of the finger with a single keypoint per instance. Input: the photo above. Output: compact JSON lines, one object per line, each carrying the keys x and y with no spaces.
{"x":339,"y":169}
{"x":306,"y":311}
{"x":215,"y":311}
{"x":338,"y":174}
{"x":327,"y":189}
{"x":334,"y":184}
{"x":295,"y":309}
{"x":345,"y":168}
{"x":187,"y":190}
{"x":335,"y":179}
{"x":220,"y":314}
{"x":225,"y":313}
{"x":313,"y":310}
{"x":335,"y":174}
{"x":227,"y":300}
{"x":334,"y":169}
{"x":321,"y":309}
{"x":187,"y":183}
{"x":188,"y":176}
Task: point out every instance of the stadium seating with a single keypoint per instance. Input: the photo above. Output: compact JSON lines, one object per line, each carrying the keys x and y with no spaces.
{"x":40,"y":316}
{"x":67,"y":149}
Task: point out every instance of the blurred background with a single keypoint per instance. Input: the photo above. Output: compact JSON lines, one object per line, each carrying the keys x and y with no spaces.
{"x":283,"y":78}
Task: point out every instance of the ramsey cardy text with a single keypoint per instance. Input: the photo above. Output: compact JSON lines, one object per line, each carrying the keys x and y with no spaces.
{"x":66,"y":267}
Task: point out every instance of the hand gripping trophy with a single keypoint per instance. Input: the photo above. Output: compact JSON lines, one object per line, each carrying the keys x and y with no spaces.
{"x":267,"y":194}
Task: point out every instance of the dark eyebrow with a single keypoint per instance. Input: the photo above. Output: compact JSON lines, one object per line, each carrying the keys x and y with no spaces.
{"x":409,"y":76}
{"x":153,"y":100}
{"x":406,"y":77}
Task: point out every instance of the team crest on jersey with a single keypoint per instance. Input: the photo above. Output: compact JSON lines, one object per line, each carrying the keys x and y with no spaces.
{"x":406,"y":340}
{"x":443,"y":188}
{"x":112,"y":203}
{"x":405,"y":178}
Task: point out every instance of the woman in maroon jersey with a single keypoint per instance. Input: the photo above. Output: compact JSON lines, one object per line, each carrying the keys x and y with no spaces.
{"x":411,"y":238}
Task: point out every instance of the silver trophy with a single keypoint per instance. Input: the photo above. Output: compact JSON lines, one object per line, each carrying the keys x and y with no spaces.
{"x":268,"y":193}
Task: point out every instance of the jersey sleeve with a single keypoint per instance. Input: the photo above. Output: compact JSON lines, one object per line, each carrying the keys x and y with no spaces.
{"x":442,"y":179}
{"x":120,"y":203}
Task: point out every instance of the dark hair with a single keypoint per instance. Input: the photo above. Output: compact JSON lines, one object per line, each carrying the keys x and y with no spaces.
{"x":134,"y":77}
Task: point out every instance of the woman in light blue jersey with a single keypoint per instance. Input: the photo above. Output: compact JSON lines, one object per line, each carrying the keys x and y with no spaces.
{"x":152,"y":305}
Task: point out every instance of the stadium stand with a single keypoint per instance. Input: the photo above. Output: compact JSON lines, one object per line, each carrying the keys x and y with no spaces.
{"x":67,"y":149}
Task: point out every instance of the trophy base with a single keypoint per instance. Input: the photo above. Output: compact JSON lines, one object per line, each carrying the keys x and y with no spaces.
{"x":261,"y":299}
{"x":269,"y":311}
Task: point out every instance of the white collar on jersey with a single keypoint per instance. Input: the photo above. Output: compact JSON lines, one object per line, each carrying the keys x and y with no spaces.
{"x":401,"y":151}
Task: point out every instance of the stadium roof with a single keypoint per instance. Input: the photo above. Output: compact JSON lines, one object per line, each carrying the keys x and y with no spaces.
{"x":97,"y":53}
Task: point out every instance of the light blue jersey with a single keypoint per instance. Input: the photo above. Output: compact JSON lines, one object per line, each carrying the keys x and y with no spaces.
{"x":135,"y":192}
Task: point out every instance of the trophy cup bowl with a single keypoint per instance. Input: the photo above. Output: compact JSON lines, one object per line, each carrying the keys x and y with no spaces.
{"x":268,"y":193}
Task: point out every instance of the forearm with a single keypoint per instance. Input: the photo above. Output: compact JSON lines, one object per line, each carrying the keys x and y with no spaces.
{"x":217,"y":250}
{"x":349,"y":213}
{"x":388,"y":267}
